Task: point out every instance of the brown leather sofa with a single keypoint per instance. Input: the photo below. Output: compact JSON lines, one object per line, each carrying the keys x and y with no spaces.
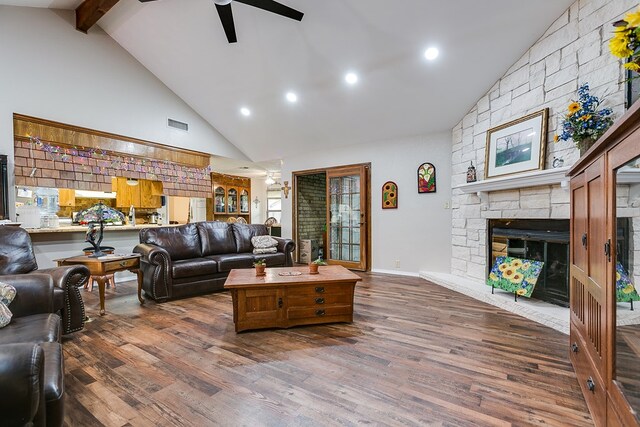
{"x":17,"y":257}
{"x":196,"y":258}
{"x":31,"y":359}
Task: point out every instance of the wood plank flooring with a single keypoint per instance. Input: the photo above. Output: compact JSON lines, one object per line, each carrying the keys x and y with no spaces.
{"x":417,"y":354}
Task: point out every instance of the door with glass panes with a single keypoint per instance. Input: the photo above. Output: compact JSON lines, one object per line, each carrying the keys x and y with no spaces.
{"x":347,"y":216}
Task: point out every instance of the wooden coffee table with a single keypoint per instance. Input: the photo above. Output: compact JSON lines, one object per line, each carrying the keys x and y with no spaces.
{"x":277,"y":301}
{"x":103,"y":267}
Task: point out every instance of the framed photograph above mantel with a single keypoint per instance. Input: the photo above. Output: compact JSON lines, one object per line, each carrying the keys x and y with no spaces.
{"x":517,"y":146}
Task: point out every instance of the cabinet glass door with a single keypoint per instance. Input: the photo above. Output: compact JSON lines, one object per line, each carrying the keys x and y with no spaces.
{"x":627,"y":280}
{"x":219,"y":199}
{"x":244,"y":201}
{"x":232,"y":201}
{"x":347,"y":215}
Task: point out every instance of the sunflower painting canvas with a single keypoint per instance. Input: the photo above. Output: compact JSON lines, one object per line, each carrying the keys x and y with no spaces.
{"x":389,"y":195}
{"x":515,"y":275}
{"x":625,"y":291}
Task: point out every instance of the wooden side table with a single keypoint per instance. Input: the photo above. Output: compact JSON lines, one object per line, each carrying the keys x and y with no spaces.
{"x":101,"y":268}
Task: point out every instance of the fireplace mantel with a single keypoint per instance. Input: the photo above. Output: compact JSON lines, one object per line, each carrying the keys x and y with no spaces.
{"x":521,"y":180}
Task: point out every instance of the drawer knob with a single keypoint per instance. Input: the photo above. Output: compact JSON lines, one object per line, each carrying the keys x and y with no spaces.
{"x":123,"y":263}
{"x":319,"y":313}
{"x":279,"y":302}
{"x":591,"y":385}
{"x":319,"y":300}
{"x":320,"y":289}
{"x":574,"y":347}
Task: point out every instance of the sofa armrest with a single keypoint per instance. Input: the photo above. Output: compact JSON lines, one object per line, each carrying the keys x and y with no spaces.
{"x":22,"y":384}
{"x":34,"y":294}
{"x":156,"y":271}
{"x":70,"y":278}
{"x":286,"y":246}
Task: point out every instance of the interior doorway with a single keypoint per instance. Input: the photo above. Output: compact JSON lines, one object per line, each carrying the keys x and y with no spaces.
{"x":331,"y":215}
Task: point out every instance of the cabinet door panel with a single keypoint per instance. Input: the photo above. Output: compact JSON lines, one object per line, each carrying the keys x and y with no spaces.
{"x":579,"y":222}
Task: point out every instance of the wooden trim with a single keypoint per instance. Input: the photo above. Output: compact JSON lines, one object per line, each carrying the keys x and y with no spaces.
{"x":90,"y":11}
{"x":70,"y":135}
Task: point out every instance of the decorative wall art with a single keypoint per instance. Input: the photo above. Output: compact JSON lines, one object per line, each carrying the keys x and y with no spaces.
{"x":471,"y":173}
{"x":517,"y":146}
{"x":515,"y":275}
{"x":389,"y":195}
{"x":625,"y":291}
{"x":426,"y":178}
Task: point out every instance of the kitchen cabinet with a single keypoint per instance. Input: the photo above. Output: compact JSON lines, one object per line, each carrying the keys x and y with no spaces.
{"x":231,"y":197}
{"x":145,"y":195}
{"x":66,"y":197}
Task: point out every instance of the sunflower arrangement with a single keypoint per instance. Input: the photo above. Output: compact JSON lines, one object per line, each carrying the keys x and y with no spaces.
{"x":585,"y":121}
{"x":515,"y":275}
{"x":625,"y":43}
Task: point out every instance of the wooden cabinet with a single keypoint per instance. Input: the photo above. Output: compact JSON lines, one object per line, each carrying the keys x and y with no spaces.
{"x":66,"y":197}
{"x":4,"y":188}
{"x":605,"y":195}
{"x":231,"y":197}
{"x":145,"y":195}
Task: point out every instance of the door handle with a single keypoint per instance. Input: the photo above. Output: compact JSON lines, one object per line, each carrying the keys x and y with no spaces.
{"x":584,"y":240}
{"x":279,"y":302}
{"x":607,"y":250}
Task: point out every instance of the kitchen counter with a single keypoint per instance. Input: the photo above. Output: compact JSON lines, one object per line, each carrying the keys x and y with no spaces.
{"x":83,"y":228}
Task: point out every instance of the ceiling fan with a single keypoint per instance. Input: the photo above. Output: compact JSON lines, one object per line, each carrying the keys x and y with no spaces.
{"x":226,"y":15}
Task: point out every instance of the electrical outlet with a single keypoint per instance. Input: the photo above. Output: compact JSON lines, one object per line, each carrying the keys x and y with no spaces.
{"x":446,"y":204}
{"x":397,"y":263}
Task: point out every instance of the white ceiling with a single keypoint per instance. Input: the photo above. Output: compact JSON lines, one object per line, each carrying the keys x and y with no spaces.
{"x":399,"y":93}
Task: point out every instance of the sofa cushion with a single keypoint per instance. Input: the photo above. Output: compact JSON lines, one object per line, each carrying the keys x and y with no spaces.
{"x":181,"y":242}
{"x":16,"y":251}
{"x":35,"y":328}
{"x":273,"y":260}
{"x":193,"y":267}
{"x":228,"y":262}
{"x":53,"y":383}
{"x":216,"y":238}
{"x":243,"y":234}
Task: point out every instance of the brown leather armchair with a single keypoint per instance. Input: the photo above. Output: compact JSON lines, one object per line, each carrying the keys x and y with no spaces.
{"x":31,"y":358}
{"x":17,"y":257}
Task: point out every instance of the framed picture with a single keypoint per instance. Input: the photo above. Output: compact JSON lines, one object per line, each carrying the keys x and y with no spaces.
{"x":517,"y":146}
{"x":426,"y":178}
{"x":390,"y":195}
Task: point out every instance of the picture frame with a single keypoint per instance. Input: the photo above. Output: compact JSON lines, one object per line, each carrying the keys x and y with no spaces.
{"x":517,"y":146}
{"x":389,"y":195}
{"x":426,"y":178}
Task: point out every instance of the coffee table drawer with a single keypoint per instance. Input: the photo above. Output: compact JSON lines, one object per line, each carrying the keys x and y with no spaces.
{"x":320,"y":289}
{"x":319,"y":312}
{"x":318,"y":300}
{"x":120,"y":264}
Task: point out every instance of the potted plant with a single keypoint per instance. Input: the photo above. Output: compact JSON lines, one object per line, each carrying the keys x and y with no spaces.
{"x":313,"y":265}
{"x":260,"y":265}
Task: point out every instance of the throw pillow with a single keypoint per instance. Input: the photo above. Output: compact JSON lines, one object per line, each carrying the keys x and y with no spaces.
{"x":263,"y":242}
{"x":7,"y":294}
{"x":258,"y":251}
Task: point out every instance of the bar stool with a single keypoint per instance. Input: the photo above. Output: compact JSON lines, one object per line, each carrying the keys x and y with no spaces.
{"x":110,"y":278}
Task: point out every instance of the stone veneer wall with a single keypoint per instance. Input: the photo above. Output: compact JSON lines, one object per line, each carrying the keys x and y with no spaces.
{"x":574,"y":50}
{"x":94,"y":173}
{"x":312,"y":206}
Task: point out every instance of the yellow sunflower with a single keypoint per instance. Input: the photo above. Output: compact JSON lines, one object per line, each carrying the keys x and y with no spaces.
{"x":633,"y":18}
{"x":556,"y":138}
{"x":533,"y":280}
{"x":525,"y":266}
{"x":619,"y":43}
{"x":517,"y":278}
{"x":632,"y":66}
{"x":492,"y":276}
{"x":502,"y":267}
{"x":521,"y":291}
{"x":628,"y":289}
{"x":516,"y":263}
{"x":574,"y":107}
{"x":509,"y":273}
{"x":617,"y":276}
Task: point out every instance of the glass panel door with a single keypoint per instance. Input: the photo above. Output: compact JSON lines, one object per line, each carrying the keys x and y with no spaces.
{"x":347,"y":215}
{"x":244,"y":201}
{"x":232,"y":201}
{"x":219,"y":199}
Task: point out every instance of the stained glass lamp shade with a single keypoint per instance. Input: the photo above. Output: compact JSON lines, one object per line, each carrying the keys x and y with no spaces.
{"x":98,"y":214}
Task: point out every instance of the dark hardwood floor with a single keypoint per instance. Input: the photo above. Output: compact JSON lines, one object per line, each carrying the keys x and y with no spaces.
{"x":417,"y":354}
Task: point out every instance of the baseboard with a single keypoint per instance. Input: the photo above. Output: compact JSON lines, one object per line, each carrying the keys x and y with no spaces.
{"x":395,"y":272}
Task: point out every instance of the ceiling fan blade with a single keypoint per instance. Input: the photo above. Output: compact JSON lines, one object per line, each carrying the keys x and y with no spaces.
{"x":274,"y":7}
{"x":144,"y":1}
{"x":226,"y":17}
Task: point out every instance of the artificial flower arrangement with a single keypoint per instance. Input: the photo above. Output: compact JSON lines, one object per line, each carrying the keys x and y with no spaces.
{"x":586,"y":121}
{"x":625,"y":43}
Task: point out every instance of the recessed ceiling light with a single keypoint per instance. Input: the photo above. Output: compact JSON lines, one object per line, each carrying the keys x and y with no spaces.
{"x":351,"y":78}
{"x":431,"y":53}
{"x":245,"y":111}
{"x":292,"y":97}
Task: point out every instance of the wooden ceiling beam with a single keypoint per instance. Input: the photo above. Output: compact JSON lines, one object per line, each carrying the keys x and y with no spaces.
{"x":90,"y":11}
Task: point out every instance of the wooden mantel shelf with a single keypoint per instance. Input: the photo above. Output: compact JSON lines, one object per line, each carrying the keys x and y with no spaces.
{"x":522,"y":180}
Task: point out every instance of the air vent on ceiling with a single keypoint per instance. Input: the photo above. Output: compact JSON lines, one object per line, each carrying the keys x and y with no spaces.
{"x":178,"y":125}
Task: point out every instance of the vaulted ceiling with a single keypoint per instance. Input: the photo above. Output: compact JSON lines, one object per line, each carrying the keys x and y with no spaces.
{"x":398,"y":94}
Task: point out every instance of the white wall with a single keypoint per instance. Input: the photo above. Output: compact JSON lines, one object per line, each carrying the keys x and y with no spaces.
{"x":50,"y":70}
{"x":418,"y":233}
{"x":259,"y":190}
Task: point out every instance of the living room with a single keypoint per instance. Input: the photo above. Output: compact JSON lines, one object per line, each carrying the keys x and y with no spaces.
{"x":408,"y":113}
